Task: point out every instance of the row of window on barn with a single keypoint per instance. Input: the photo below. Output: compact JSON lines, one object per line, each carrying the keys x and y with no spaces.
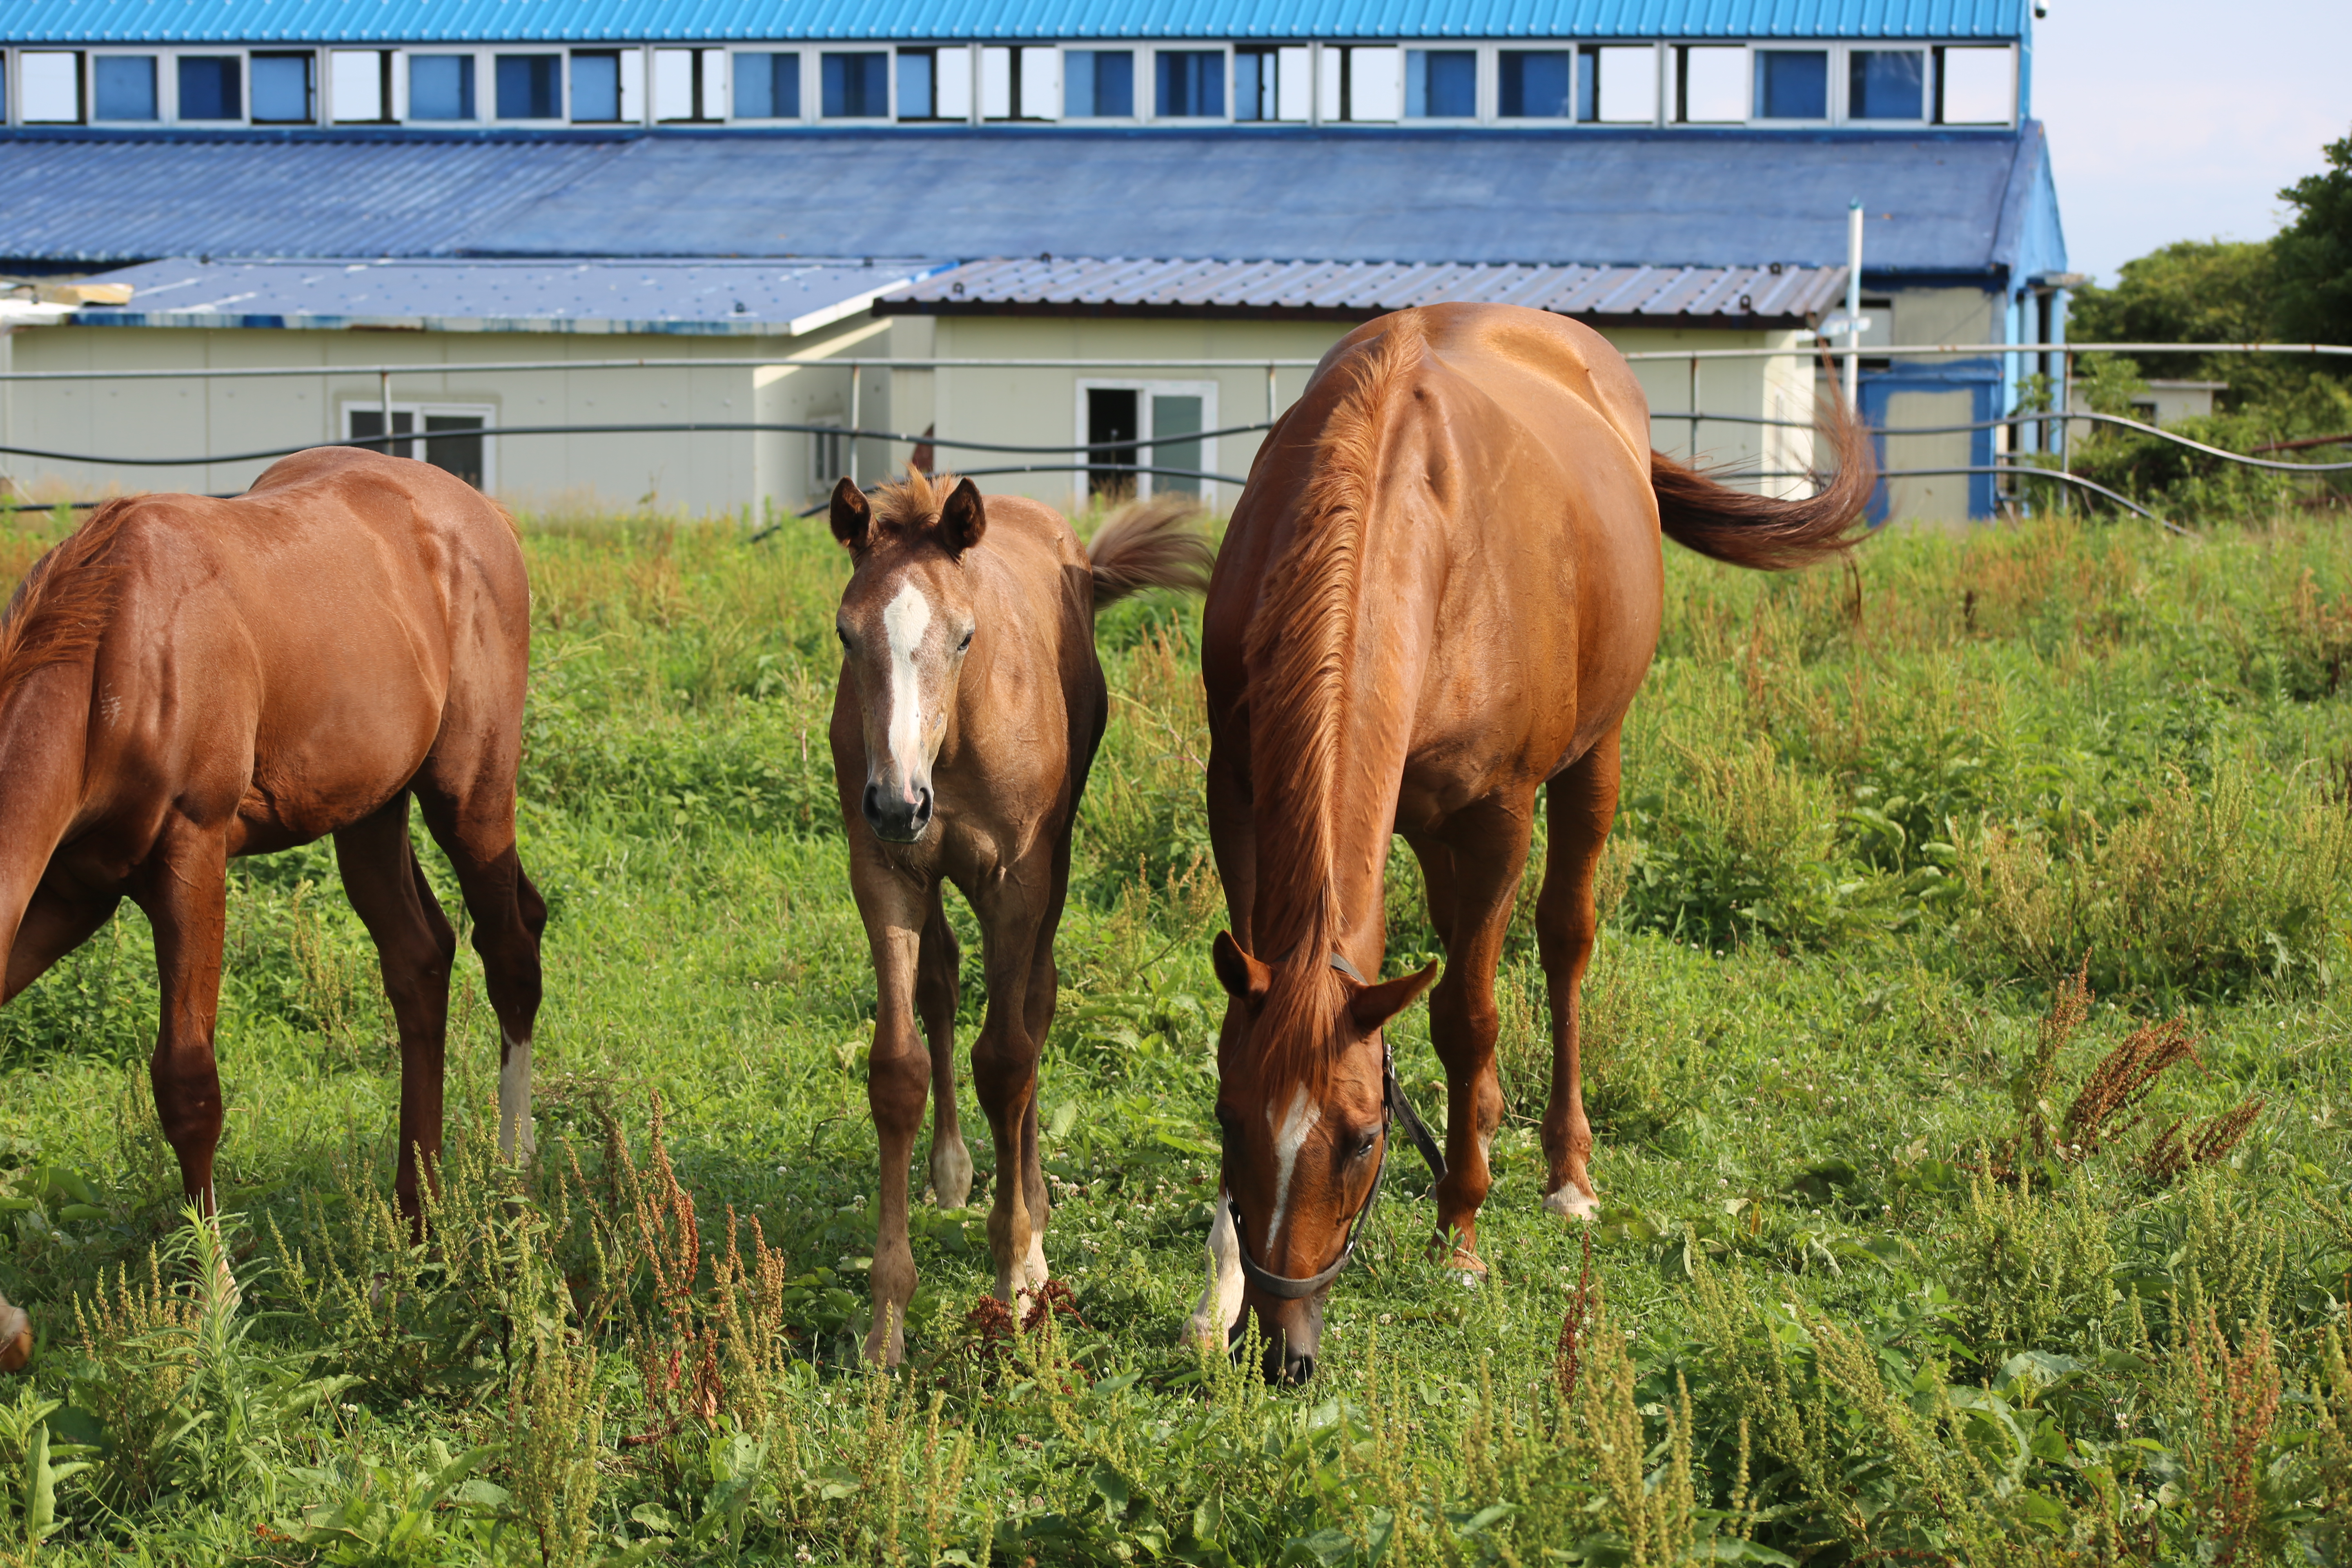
{"x":1593,"y":84}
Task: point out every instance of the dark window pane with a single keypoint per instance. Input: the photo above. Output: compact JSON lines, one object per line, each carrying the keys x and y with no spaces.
{"x":595,"y":87}
{"x":1533,"y":85}
{"x":857,"y":87}
{"x":1110,"y":416}
{"x":282,"y":88}
{"x":785,"y":73}
{"x":441,"y":87}
{"x":125,"y":86}
{"x":914,"y":85}
{"x":209,"y":88}
{"x":1191,"y":83}
{"x":529,"y":88}
{"x":368,"y":422}
{"x":1886,"y":84}
{"x":1441,"y":84}
{"x":1792,"y":84}
{"x":459,"y":455}
{"x":1113,"y":83}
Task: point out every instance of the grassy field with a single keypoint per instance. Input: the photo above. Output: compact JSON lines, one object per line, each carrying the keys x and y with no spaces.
{"x":1916,"y":1249}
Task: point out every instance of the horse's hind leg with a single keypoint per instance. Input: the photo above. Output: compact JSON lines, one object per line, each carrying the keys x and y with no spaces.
{"x":472,"y":818}
{"x":1583,"y":805}
{"x":415,"y":947}
{"x":936,"y":993}
{"x":184,"y":888}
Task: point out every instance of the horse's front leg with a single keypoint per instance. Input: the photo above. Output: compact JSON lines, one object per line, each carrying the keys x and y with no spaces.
{"x":897,"y":1079}
{"x":1489,"y":849}
{"x":184,"y":888}
{"x":1013,"y":909}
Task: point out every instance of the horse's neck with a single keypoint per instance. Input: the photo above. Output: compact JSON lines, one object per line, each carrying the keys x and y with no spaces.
{"x":1349,"y":826}
{"x":44,"y":735}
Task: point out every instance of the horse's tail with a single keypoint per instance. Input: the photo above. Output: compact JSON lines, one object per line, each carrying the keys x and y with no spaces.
{"x":1757,"y":531}
{"x":1150,"y":543}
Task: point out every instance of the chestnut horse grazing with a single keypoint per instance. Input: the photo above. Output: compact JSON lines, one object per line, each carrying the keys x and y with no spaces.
{"x":969,"y":706}
{"x":184,"y":680}
{"x":1440,"y":591}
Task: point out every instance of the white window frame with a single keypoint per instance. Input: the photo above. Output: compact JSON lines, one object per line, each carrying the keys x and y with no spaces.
{"x":80,"y":58}
{"x":418,"y":412}
{"x":90,"y":85}
{"x":1145,"y":391}
{"x":1144,"y":81}
{"x":1673,"y":109}
{"x":1842,"y":88}
{"x":1795,"y":47}
{"x":1147,"y":80}
{"x":710,"y":71}
{"x":486,"y":87}
{"x":1940,"y":54}
{"x":486,"y":84}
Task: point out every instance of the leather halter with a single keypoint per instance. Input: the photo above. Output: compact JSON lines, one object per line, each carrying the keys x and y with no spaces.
{"x":1394,"y":1107}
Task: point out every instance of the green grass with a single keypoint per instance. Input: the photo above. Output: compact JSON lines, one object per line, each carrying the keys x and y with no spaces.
{"x":1860,"y":1291}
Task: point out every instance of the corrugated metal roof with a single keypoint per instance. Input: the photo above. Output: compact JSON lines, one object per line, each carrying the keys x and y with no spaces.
{"x":98,"y":198}
{"x":1772,"y":293}
{"x":555,"y":21}
{"x":1952,"y":203}
{"x":696,"y":298}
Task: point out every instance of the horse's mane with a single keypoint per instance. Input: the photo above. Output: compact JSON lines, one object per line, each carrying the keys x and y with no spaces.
{"x":1299,"y":652}
{"x":911,"y":503}
{"x":61,"y":608}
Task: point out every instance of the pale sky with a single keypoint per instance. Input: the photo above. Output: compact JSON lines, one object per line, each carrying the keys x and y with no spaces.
{"x":2172,"y":120}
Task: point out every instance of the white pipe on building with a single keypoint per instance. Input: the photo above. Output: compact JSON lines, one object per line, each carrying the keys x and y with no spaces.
{"x":1853,"y":297}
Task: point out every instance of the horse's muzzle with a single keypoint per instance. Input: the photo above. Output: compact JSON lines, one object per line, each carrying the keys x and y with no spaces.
{"x":896,"y":818}
{"x":1289,"y":1333}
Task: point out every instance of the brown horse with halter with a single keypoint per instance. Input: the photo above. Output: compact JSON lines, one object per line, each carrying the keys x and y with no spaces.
{"x":970,"y":707}
{"x":1440,"y":591}
{"x":185,"y":680}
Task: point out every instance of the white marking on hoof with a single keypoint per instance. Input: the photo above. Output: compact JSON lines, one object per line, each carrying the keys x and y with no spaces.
{"x":951,"y":1173}
{"x":1033,"y":1267}
{"x":515,"y":1133}
{"x":1211,"y":1322}
{"x":1572,"y":1201}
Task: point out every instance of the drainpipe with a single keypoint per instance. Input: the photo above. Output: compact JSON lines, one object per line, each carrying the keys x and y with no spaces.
{"x":1853,"y":297}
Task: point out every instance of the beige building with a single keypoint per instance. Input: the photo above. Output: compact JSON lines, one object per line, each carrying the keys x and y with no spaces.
{"x":710,"y":388}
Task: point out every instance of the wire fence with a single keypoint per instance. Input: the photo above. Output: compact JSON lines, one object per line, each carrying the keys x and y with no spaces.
{"x":1093,"y":457}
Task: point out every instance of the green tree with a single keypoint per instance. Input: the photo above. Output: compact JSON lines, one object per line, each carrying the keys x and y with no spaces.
{"x":2192,"y":290}
{"x":2314,"y":254}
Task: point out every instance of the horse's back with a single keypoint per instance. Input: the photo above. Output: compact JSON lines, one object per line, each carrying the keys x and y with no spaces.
{"x":310,"y":641}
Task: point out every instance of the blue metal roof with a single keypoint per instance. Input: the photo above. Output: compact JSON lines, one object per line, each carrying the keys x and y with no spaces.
{"x":1968,"y":204}
{"x":574,"y":21}
{"x":698,"y":298}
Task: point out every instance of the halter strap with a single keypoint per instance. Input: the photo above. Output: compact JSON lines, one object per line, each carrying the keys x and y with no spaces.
{"x":1394,"y":1107}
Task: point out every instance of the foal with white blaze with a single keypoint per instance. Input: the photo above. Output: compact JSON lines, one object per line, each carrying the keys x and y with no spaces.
{"x":970,"y":707}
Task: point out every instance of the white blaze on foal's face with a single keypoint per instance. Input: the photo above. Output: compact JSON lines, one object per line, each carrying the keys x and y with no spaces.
{"x":905,"y":620}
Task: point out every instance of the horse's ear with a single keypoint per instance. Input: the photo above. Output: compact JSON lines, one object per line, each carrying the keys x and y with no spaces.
{"x":851,"y":515}
{"x":1243,"y":977}
{"x":963,"y":520}
{"x":1376,"y":1004}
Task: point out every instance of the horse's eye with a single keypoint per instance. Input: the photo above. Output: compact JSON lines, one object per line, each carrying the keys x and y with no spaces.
{"x":965,"y":643}
{"x":1365,"y":1144}
{"x":843,"y":633}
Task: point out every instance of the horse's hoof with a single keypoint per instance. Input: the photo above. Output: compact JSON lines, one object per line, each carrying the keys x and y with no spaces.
{"x":1466,"y":1265}
{"x":1572,"y":1201}
{"x":15,"y":1337}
